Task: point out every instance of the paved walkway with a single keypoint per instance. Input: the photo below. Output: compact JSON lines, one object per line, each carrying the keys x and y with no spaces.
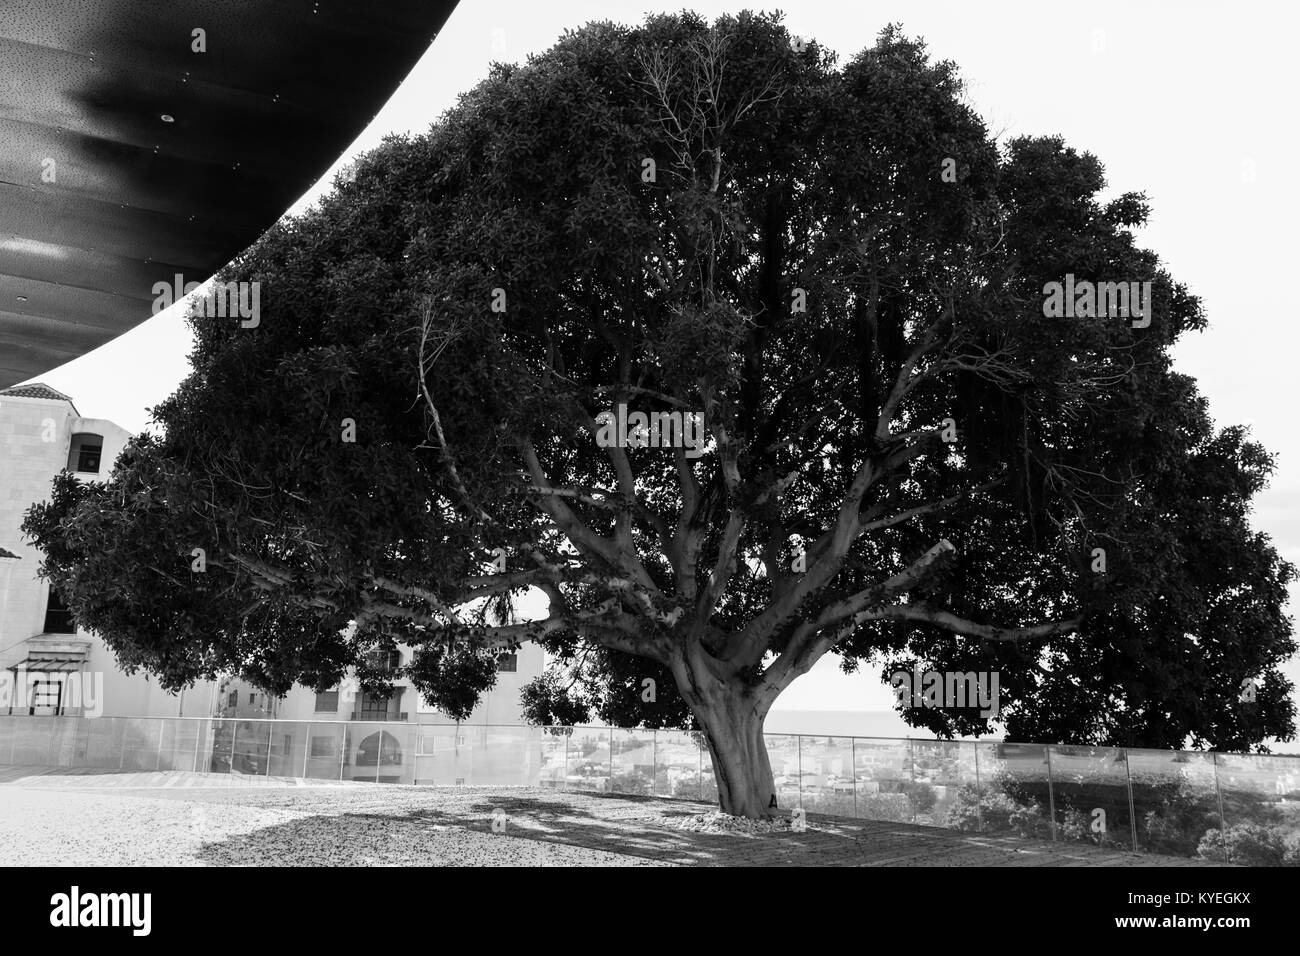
{"x":176,"y":818}
{"x":80,"y":778}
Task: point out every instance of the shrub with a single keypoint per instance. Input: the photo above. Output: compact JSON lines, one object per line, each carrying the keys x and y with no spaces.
{"x":1248,"y":844}
{"x":634,"y":782}
{"x":886,"y":807}
{"x":688,"y":788}
{"x":999,"y":811}
{"x":921,"y":796}
{"x":1291,"y":851}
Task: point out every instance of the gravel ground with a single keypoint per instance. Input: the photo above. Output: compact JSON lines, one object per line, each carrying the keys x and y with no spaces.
{"x":184,"y":819}
{"x":306,"y":826}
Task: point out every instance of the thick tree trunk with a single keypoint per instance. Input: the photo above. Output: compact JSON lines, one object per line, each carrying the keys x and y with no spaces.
{"x":734,"y":731}
{"x":730,"y":711}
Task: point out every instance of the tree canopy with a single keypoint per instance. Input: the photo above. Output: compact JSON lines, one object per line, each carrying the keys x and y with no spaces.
{"x":843,"y":274}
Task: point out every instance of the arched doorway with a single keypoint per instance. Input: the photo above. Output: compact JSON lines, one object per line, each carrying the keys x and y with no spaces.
{"x":379,"y":750}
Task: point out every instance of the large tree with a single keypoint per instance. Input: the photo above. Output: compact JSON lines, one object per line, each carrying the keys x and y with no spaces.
{"x":844,"y":275}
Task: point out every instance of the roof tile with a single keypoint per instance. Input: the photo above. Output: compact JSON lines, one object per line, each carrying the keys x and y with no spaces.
{"x":35,"y":390}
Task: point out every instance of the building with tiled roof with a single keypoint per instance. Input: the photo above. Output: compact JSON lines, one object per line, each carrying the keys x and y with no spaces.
{"x":42,"y":434}
{"x":35,"y":390}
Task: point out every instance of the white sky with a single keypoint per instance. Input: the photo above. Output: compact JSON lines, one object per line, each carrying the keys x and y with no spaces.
{"x":1188,"y":101}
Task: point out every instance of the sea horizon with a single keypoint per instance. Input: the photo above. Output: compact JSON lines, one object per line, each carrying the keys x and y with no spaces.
{"x":888,"y":724}
{"x":840,"y":723}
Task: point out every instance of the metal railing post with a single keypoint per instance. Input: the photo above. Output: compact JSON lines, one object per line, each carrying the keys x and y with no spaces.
{"x":654,"y":763}
{"x":564,"y":782}
{"x":798,"y":752}
{"x":911,"y":769}
{"x":270,"y":741}
{"x":76,"y":739}
{"x":853,"y":772}
{"x":1051,"y":795}
{"x":979,"y":792}
{"x":157,"y":764}
{"x":75,"y":724}
{"x":306,"y":750}
{"x":343,"y":747}
{"x":699,"y":773}
{"x":1223,"y":820}
{"x":198,"y":745}
{"x":609,"y":786}
{"x":1132,"y":812}
{"x":234,"y":738}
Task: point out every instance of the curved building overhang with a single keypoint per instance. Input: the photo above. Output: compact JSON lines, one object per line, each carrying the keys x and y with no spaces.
{"x":134,"y":148}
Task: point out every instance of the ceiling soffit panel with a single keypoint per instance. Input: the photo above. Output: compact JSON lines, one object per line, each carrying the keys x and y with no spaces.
{"x":127,"y":157}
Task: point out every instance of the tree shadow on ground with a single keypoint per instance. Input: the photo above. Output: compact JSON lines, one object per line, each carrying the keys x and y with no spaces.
{"x":555,"y":830}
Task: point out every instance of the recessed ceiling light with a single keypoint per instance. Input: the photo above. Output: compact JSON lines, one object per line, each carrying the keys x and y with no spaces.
{"x":168,"y":118}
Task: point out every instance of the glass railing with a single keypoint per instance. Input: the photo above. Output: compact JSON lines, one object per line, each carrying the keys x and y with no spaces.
{"x":1234,"y":808}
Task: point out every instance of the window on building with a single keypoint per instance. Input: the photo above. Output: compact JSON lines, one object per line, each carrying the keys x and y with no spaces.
{"x":84,"y":453}
{"x":384,"y":660}
{"x":58,"y":618}
{"x":233,"y":700}
{"x":372,"y":706}
{"x":324,"y":747}
{"x":327,"y":702}
{"x":507,"y":663}
{"x":251,"y":698}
